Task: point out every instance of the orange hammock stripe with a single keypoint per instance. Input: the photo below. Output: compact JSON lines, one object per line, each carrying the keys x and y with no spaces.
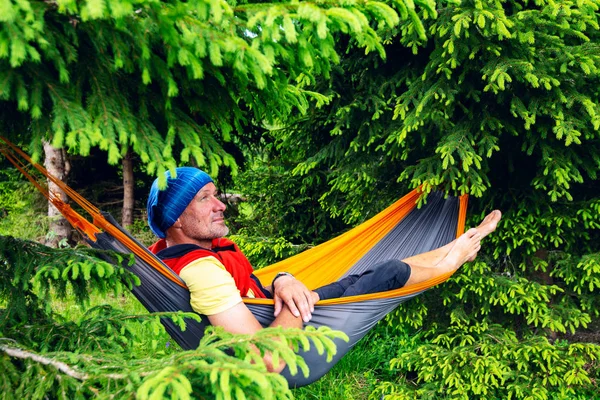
{"x":327,"y":262}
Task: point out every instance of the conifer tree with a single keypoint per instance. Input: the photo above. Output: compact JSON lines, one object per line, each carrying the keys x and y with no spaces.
{"x":169,"y":80}
{"x":501,"y":101}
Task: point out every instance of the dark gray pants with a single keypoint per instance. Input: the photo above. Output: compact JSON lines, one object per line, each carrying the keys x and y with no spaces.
{"x":386,"y":275}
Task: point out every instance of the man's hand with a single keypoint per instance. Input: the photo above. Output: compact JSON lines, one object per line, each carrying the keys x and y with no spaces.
{"x":296,"y":296}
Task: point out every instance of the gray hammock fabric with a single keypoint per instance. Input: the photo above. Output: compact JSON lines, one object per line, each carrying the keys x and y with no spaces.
{"x":418,"y":231}
{"x":423,"y":229}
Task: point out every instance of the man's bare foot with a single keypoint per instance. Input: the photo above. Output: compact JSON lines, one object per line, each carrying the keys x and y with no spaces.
{"x":487,"y":226}
{"x":465,"y":249}
{"x":489,"y":223}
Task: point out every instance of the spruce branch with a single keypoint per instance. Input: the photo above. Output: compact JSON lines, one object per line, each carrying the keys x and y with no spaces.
{"x":61,"y":366}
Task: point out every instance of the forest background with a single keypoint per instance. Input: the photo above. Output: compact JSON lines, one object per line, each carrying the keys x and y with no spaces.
{"x":318,"y":114}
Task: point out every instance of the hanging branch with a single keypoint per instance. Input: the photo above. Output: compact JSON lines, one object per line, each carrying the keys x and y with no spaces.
{"x":61,"y":366}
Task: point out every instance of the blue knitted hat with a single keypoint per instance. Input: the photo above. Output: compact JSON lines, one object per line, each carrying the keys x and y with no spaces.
{"x":165,"y":206}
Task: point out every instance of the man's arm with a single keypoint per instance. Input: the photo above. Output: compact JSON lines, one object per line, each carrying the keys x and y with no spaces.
{"x":239,"y":319}
{"x":214,"y":294}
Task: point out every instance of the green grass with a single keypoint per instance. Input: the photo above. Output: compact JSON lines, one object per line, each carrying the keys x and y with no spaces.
{"x":351,"y":378}
{"x":355,"y":376}
{"x":23,"y":211}
{"x":148,"y":337}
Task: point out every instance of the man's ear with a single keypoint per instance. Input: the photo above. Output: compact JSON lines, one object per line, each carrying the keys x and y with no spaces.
{"x":176,"y":224}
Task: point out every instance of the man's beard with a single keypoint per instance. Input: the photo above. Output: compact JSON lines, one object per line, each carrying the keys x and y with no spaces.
{"x":213,"y":233}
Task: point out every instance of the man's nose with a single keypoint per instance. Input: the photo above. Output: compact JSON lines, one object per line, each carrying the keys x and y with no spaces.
{"x":219,"y":205}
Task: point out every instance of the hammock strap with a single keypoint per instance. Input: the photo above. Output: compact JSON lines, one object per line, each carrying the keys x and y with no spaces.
{"x":82,"y":225}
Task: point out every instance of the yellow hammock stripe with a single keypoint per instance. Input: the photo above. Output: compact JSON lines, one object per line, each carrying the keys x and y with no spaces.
{"x":329,"y":261}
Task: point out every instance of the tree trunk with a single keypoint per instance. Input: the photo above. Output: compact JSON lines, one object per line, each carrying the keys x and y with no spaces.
{"x":547,"y":280}
{"x":128,"y":187}
{"x":57,"y":164}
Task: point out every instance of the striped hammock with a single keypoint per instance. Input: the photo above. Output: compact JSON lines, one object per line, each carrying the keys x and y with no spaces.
{"x":398,"y":232}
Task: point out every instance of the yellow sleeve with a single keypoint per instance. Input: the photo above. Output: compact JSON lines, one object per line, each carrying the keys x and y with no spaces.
{"x":212,"y":288}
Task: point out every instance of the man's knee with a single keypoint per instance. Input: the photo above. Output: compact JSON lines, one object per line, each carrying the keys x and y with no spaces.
{"x":397,"y":271}
{"x":387,"y":275}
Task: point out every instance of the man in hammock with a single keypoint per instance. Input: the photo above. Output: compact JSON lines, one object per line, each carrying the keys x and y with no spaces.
{"x":188,"y":218}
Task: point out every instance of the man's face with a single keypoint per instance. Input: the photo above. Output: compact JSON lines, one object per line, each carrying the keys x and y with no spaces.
{"x":203,"y":218}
